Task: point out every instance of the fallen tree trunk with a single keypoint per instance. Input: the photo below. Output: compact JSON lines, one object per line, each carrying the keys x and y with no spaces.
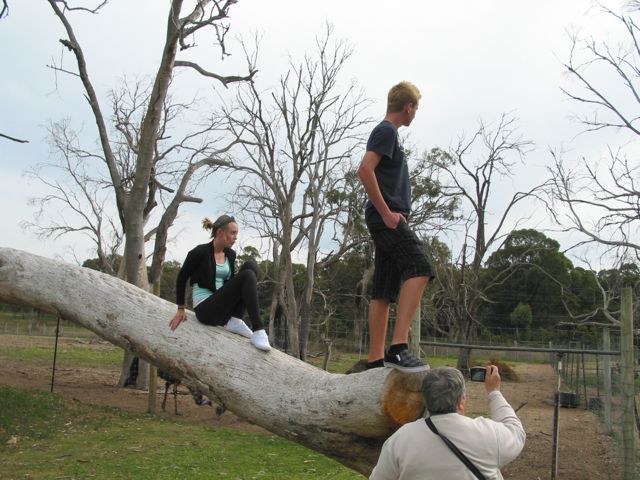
{"x":346,"y":417}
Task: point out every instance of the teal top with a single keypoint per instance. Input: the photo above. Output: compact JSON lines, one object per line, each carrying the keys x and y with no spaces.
{"x":223,"y":272}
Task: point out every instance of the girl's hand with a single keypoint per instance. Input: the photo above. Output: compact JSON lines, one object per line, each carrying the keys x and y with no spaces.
{"x":178,"y":318}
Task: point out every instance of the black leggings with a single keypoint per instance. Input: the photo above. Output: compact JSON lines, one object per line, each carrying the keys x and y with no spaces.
{"x":237,"y":295}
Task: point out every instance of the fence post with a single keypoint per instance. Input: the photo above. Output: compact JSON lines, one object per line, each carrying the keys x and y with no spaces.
{"x":153,"y":370}
{"x":55,"y":354}
{"x":556,"y":420}
{"x":584,"y":379}
{"x":606,"y":345}
{"x":414,"y":334}
{"x":627,"y":385}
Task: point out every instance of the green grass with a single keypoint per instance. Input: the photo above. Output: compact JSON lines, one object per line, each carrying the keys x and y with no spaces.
{"x":36,"y":415}
{"x":43,"y":324}
{"x":58,"y":439}
{"x":54,"y":439}
{"x":69,"y":355}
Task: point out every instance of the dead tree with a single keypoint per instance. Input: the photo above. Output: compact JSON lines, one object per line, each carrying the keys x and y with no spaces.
{"x":469,"y":172}
{"x":601,"y":199}
{"x":295,"y":142}
{"x":76,"y":201}
{"x":346,"y":417}
{"x":140,"y":126}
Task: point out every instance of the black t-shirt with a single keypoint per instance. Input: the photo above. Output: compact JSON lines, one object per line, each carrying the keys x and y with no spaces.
{"x":392,"y":172}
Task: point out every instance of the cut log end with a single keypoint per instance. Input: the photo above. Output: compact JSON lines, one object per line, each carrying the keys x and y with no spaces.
{"x":403,"y":401}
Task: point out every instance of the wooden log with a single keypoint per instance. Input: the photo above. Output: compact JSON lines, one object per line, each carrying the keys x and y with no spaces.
{"x":345,"y":417}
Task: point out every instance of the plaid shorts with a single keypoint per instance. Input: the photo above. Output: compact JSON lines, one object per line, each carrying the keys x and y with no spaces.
{"x":399,"y":255}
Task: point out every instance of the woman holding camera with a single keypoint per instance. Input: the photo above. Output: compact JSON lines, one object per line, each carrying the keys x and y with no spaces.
{"x":220,"y":294}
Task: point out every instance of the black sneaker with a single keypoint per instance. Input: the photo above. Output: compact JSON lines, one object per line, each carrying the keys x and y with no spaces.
{"x":377,"y":364}
{"x":405,"y":361}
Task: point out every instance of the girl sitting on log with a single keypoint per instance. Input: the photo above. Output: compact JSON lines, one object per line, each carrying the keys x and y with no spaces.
{"x":220,"y":294}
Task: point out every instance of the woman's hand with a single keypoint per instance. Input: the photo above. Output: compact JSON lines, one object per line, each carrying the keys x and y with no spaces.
{"x":492,"y":380}
{"x":178,"y":318}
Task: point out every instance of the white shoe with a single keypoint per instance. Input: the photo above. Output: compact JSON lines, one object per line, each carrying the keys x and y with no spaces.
{"x":260,"y":340}
{"x":235,"y":325}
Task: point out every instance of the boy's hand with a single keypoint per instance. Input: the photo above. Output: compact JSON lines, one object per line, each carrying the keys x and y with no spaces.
{"x":393,"y":219}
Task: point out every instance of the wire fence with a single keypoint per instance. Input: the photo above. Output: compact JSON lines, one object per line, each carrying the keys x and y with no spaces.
{"x":34,"y":324}
{"x":600,"y":380}
{"x":591,"y":377}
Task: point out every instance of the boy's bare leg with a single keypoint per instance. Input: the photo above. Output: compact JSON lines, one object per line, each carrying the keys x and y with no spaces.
{"x":408,"y":302}
{"x":378,"y":321}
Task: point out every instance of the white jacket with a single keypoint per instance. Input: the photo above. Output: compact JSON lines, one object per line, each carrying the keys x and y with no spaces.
{"x":414,"y":452}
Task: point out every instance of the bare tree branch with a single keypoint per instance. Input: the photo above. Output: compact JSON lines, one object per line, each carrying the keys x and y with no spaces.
{"x":84,"y":9}
{"x":225,"y":80}
{"x":606,"y":213}
{"x":4,"y":12}
{"x":13,"y":139}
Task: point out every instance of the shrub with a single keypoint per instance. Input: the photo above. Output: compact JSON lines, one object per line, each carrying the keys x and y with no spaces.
{"x":507,"y":372}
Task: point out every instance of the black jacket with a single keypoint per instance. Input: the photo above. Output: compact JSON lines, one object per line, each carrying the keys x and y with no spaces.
{"x":199,"y":267}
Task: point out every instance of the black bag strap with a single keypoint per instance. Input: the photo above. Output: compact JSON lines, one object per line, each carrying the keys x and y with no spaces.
{"x":455,"y":450}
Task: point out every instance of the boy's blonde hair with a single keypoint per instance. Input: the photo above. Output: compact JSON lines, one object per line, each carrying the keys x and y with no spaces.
{"x":402,"y":94}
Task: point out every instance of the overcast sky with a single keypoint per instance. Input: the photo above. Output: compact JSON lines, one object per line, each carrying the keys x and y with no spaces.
{"x":472,"y":59}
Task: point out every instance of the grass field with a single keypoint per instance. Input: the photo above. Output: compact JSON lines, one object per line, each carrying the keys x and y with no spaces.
{"x":74,"y":355}
{"x":58,"y":437}
{"x":42,"y":436}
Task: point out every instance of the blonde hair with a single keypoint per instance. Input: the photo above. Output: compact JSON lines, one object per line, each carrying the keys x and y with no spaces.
{"x":402,"y":94}
{"x":221,"y":222}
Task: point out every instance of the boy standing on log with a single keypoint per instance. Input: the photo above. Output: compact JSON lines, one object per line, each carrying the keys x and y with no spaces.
{"x":402,"y":269}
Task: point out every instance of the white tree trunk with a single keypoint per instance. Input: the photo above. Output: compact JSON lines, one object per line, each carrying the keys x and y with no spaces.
{"x":346,"y":417}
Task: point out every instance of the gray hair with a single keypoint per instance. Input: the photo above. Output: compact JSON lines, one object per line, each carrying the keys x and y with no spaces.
{"x":443,"y":387}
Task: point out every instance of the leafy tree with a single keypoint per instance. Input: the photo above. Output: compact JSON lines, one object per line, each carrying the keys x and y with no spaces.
{"x":168,"y":282}
{"x":521,"y":317}
{"x":584,"y":291}
{"x":112,"y":264}
{"x":532,"y":270}
{"x":338,"y":295}
{"x":249,"y":253}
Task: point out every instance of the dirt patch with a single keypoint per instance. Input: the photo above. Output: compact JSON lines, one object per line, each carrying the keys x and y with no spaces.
{"x":584,"y":451}
{"x":97,"y":385}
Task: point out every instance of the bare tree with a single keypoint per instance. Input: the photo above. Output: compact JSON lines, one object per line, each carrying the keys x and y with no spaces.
{"x":76,"y":201}
{"x":295,"y":139}
{"x":132,"y":156}
{"x":134,"y":195}
{"x":601,"y":200}
{"x":470,"y":172}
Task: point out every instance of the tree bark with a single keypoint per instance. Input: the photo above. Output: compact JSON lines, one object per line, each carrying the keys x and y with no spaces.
{"x":346,"y":417}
